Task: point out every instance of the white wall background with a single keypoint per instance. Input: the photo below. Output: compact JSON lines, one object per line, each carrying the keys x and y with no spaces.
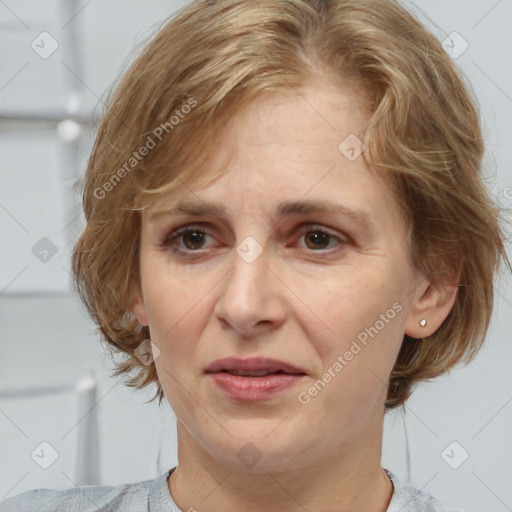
{"x":46,"y":337}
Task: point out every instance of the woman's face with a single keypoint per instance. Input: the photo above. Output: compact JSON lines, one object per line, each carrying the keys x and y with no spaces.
{"x":299,"y":256}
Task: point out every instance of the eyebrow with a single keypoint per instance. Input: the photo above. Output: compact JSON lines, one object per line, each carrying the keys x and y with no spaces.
{"x":302,"y":207}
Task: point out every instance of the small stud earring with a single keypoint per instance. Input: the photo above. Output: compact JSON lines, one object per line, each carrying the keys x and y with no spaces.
{"x":423,"y":323}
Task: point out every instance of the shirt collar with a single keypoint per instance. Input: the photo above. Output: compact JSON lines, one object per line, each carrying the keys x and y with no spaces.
{"x":160,"y":499}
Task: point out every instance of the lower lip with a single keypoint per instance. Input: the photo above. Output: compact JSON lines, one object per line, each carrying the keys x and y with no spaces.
{"x":251,"y":389}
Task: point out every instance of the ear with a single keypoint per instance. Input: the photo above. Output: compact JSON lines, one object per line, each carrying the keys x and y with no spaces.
{"x":138,"y":307}
{"x":434,"y":301}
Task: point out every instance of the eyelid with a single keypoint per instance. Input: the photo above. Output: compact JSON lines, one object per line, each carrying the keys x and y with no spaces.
{"x":312,"y":227}
{"x":175,"y":233}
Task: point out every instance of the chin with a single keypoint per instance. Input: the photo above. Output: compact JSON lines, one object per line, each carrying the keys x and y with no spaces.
{"x":260,"y":449}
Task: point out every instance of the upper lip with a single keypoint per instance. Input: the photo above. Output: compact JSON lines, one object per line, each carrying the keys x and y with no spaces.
{"x":252,"y":364}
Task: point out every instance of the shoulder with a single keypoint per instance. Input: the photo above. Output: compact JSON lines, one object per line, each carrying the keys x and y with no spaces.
{"x":89,"y":498}
{"x":410,"y":499}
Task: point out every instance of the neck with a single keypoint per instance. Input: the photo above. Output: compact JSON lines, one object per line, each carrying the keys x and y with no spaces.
{"x":350,"y":479}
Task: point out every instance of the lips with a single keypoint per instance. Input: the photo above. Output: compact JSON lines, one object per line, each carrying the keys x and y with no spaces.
{"x":253,"y":367}
{"x":256,"y":379}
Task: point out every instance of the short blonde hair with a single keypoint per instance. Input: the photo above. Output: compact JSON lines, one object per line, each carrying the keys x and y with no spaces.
{"x":213,"y":58}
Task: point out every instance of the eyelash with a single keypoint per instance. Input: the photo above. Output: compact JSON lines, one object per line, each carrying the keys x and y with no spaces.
{"x":176,"y":234}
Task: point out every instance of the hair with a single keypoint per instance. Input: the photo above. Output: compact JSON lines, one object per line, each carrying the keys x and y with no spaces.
{"x":213,"y":58}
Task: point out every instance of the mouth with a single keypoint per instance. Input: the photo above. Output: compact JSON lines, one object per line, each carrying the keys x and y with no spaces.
{"x":253,"y":367}
{"x":262,"y":373}
{"x":255,"y":379}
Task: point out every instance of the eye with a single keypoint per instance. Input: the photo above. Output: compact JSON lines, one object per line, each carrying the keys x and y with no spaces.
{"x":193,"y":238}
{"x":318,"y":238}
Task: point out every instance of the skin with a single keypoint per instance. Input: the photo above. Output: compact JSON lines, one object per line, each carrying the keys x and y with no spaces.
{"x":303,"y":300}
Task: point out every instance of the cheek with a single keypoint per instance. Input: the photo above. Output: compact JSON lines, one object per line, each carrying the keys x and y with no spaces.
{"x":365,"y":319}
{"x":356,"y":366}
{"x":176,"y":323}
{"x":171,"y":297}
{"x":345,"y":308}
{"x":176,"y":319}
{"x":176,"y":312}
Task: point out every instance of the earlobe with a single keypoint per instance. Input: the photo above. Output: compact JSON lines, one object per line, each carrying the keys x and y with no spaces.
{"x":431,"y":309}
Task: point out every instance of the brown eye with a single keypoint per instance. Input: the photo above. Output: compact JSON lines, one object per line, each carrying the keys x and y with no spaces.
{"x":186,"y":240}
{"x":318,"y":239}
{"x":193,"y":239}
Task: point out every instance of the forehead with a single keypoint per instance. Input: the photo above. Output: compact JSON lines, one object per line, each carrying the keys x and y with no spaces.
{"x":288,"y":125}
{"x":303,"y":117}
{"x":295,"y":140}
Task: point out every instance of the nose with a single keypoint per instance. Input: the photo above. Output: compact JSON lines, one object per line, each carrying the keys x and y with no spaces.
{"x":252,"y":300}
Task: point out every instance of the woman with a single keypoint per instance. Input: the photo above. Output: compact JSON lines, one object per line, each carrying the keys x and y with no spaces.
{"x":286,"y":230}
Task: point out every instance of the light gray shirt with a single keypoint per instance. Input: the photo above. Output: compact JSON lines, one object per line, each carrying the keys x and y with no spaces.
{"x":154,"y":496}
